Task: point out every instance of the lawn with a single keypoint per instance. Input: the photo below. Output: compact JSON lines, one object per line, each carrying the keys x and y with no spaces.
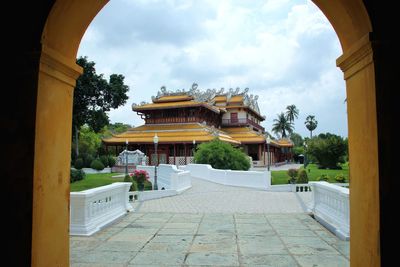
{"x":281,"y":177}
{"x":100,"y":179}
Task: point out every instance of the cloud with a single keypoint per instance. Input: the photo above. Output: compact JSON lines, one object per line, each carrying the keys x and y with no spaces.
{"x":282,"y":50}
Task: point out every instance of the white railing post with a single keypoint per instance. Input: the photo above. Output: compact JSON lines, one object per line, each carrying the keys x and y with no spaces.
{"x":92,"y":209}
{"x":330,"y":206}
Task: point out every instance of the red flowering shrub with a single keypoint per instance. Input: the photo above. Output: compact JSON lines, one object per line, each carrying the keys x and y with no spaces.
{"x":140,"y":176}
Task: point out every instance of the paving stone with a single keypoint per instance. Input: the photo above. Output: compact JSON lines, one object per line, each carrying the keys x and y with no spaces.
{"x":121,"y":246}
{"x":308,"y":245}
{"x":158,"y":259}
{"x":106,"y":257}
{"x":173,"y":239}
{"x":282,"y":260}
{"x":213,"y":225}
{"x":212,"y":259}
{"x":322,"y":260}
{"x":249,"y":245}
{"x":295,"y":232}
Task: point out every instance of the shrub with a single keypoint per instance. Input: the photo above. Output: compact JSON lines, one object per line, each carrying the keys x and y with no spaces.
{"x":303,"y":177}
{"x":97,"y":165}
{"x":221,"y":155}
{"x":292,"y":174}
{"x":128,"y":179}
{"x":88,"y":159}
{"x":104,"y":160}
{"x":340,"y":178}
{"x":328,"y":149}
{"x":111,"y":161}
{"x":323,"y":177}
{"x":76,"y":175}
{"x":78,"y":164}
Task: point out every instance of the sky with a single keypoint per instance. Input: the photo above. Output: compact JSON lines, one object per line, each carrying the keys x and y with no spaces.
{"x":284,"y":51}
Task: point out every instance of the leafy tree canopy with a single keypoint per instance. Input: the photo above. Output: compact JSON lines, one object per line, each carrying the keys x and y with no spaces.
{"x":221,"y":155}
{"x":328,"y":150}
{"x":94,"y":96}
{"x":282,"y":125}
{"x":297,"y":139}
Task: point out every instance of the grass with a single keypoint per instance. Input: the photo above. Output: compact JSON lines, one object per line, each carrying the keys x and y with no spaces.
{"x":281,"y":177}
{"x":100,"y":179}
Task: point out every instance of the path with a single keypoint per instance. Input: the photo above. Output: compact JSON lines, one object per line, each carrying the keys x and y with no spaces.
{"x":208,"y":197}
{"x":213,"y":225}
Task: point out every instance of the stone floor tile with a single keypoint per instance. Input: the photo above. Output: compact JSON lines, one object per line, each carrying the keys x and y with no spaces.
{"x":173,"y":239}
{"x":212,"y":259}
{"x":106,"y":257}
{"x":322,"y":260}
{"x":282,"y":260}
{"x":295,"y":232}
{"x":225,"y":247}
{"x":158,"y":259}
{"x":215,"y":238}
{"x":82,"y":245}
{"x":156,"y":247}
{"x":121,"y":246}
{"x":173,"y":231}
{"x":249,"y":245}
{"x":308,"y":245}
{"x":181,"y":225}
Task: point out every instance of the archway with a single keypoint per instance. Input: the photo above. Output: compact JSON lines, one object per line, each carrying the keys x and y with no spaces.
{"x":61,"y":36}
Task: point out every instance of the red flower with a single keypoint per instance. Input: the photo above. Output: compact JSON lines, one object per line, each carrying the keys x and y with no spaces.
{"x":140,"y":176}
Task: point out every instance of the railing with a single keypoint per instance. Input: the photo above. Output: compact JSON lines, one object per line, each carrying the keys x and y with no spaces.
{"x":178,"y":161}
{"x":252,"y":179}
{"x":241,"y":122}
{"x":172,"y":120}
{"x":330,"y":206}
{"x":94,"y":208}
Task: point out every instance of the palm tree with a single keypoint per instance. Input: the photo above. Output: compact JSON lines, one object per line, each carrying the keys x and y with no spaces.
{"x":282,"y":125}
{"x":292,"y":112}
{"x":311,"y":123}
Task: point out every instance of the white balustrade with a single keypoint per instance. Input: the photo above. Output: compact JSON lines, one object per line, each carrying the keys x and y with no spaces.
{"x":253,"y":179}
{"x":330,"y":206}
{"x":92,"y":209}
{"x":169,"y":177}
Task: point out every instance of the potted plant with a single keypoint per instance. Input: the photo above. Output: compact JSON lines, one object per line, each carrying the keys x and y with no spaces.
{"x":140,"y":176}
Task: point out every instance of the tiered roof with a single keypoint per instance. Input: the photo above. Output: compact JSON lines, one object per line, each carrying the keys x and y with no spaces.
{"x":166,"y":133}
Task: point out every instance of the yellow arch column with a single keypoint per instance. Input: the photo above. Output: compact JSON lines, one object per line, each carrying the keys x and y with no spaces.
{"x":50,"y":229}
{"x":358,"y":68}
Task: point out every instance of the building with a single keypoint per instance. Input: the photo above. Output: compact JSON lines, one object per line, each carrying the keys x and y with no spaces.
{"x":41,"y":53}
{"x":184,"y":119}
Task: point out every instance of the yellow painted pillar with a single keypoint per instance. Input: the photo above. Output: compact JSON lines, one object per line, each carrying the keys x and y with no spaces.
{"x":50,"y":227}
{"x":358,"y":68}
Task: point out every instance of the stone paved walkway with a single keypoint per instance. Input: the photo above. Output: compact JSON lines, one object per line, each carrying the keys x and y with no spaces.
{"x":214,"y":225}
{"x":187,"y":239}
{"x":210,"y":197}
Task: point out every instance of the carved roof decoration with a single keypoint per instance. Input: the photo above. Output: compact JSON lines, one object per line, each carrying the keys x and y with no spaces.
{"x":208,"y":96}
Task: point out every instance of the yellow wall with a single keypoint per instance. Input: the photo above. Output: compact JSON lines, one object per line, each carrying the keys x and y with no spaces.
{"x":64,"y":29}
{"x":363,"y":151}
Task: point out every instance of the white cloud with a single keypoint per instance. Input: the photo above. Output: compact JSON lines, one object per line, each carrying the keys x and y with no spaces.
{"x":283,"y":50}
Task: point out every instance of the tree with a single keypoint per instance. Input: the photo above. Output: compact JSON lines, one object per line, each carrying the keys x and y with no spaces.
{"x":94,"y":96}
{"x":328,"y":150}
{"x":311,"y":123}
{"x":292,"y":113}
{"x":296,"y":139}
{"x":221,"y":155}
{"x":282,"y":125}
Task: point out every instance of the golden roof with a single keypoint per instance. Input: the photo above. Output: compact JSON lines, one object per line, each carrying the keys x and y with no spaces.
{"x":220,"y":98}
{"x":175,"y":104}
{"x":245,"y":135}
{"x":173,"y":98}
{"x":182,"y":133}
{"x":236,"y":98}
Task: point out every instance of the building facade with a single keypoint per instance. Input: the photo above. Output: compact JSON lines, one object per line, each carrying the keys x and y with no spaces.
{"x":183,"y":119}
